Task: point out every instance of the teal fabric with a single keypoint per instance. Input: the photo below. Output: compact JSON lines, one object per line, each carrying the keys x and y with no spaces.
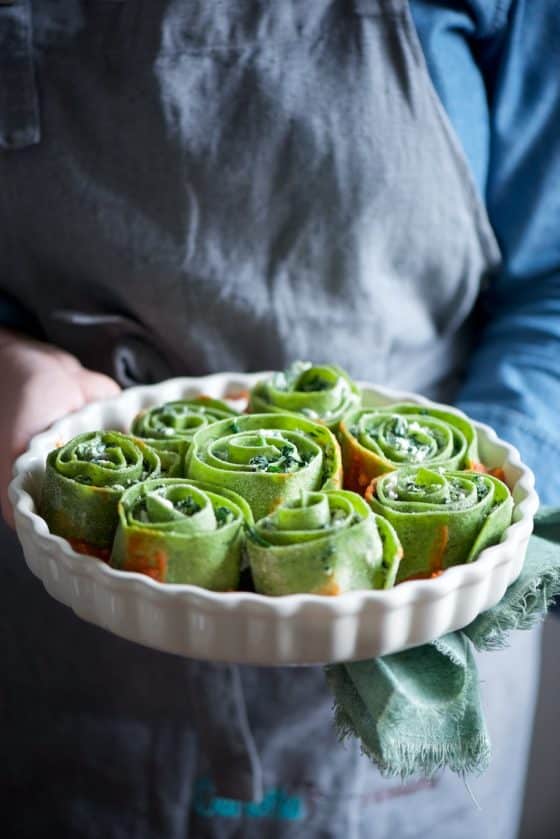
{"x":419,"y":710}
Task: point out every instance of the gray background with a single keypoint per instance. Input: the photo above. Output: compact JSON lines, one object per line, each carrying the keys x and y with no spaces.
{"x":541,"y":817}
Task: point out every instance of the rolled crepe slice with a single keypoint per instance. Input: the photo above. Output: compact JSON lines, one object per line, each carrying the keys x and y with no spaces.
{"x":266,"y":458}
{"x":378,"y":440}
{"x":323,"y":543}
{"x":84,"y":481}
{"x":179,"y":531}
{"x":441,"y":517}
{"x":321,"y":393}
{"x":169,"y":428}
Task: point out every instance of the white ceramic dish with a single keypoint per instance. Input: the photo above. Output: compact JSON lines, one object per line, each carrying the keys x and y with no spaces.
{"x":251,"y":628}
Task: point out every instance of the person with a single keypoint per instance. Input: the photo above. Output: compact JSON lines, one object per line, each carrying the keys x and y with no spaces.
{"x":188,"y":187}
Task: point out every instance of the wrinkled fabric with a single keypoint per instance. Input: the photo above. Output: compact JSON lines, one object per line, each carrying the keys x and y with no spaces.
{"x":19,"y":105}
{"x":235,"y":185}
{"x":203,"y":85}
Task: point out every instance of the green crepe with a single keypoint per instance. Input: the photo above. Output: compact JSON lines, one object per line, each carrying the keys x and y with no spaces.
{"x":442,"y":517}
{"x":179,"y":531}
{"x":84,"y":481}
{"x":378,"y":440}
{"x":169,"y":428}
{"x":323,"y":543}
{"x":321,"y":393}
{"x":419,"y":710}
{"x":266,"y":458}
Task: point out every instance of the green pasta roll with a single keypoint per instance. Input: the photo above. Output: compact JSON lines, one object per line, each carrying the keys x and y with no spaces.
{"x":320,"y":393}
{"x":179,"y":531}
{"x":84,"y":481}
{"x":441,"y":517}
{"x":378,"y":440}
{"x":323,"y":543}
{"x":266,"y":458}
{"x":169,"y":428}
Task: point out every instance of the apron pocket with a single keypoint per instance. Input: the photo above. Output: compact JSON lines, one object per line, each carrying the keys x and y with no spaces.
{"x":116,"y":345}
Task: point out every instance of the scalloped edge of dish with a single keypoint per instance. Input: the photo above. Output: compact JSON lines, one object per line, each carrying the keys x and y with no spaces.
{"x":67,"y":575}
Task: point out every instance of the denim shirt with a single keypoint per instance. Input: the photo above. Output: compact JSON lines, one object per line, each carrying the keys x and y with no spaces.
{"x":495,"y":66}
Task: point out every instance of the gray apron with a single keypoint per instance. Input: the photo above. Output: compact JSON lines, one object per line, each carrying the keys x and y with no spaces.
{"x":189,"y":186}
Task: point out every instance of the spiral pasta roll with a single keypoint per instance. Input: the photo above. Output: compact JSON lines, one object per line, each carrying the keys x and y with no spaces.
{"x":378,"y":440}
{"x":169,"y":428}
{"x":179,"y":531}
{"x":442,"y":518}
{"x":266,"y":458}
{"x":323,"y":543}
{"x":320,"y":393}
{"x":84,"y":481}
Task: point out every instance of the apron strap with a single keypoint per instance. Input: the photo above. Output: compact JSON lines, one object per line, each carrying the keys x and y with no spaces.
{"x":224,"y":733}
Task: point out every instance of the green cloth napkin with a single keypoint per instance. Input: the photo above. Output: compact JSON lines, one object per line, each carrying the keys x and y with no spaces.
{"x":419,"y":710}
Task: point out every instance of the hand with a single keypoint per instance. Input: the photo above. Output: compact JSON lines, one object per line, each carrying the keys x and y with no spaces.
{"x":40,"y":384}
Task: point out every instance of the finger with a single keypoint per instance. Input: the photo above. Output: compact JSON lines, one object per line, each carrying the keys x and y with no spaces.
{"x":97,"y":386}
{"x":67,"y":361}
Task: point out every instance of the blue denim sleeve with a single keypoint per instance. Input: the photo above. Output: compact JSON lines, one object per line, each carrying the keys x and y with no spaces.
{"x":505,"y":60}
{"x":513,"y":379}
